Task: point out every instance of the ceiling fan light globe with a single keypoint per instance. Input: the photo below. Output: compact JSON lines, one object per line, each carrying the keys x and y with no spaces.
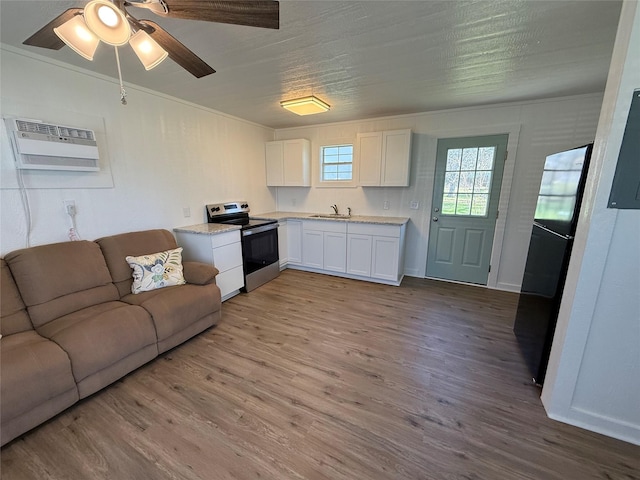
{"x":78,"y":37}
{"x":107,"y":22}
{"x":108,"y":16}
{"x":147,"y":49}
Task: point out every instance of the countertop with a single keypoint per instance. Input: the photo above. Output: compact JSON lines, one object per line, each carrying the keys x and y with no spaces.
{"x":207,"y":228}
{"x":353,"y":218}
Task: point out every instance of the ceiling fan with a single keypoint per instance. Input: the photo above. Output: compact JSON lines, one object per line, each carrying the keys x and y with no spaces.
{"x":109,"y":21}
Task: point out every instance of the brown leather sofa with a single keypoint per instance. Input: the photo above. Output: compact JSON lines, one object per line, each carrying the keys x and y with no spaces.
{"x":71,"y":326}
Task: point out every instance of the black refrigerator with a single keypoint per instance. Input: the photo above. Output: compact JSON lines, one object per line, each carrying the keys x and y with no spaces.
{"x":554,"y":227}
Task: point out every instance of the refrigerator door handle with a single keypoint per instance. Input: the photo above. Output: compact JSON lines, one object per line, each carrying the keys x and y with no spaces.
{"x":566,"y":237}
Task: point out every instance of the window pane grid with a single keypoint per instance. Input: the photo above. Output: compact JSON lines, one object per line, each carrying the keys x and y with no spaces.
{"x":467,"y":181}
{"x":337,"y":163}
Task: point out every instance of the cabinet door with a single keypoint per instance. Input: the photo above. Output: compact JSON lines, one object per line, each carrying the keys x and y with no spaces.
{"x":283,"y":243}
{"x":386,"y":253}
{"x":396,"y":155}
{"x":297,"y":163}
{"x":370,"y":157}
{"x":359,"y":255}
{"x":313,"y":248}
{"x":294,"y":241}
{"x":335,"y":252}
{"x":274,"y":164}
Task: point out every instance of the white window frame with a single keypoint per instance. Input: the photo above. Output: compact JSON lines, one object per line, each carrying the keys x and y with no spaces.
{"x":354,"y":170}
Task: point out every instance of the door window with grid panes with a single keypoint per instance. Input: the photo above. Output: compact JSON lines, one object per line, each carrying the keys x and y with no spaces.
{"x":337,"y":163}
{"x":467,"y":181}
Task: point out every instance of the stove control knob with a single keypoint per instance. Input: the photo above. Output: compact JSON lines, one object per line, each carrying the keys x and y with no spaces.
{"x":216,"y":209}
{"x":244,"y":205}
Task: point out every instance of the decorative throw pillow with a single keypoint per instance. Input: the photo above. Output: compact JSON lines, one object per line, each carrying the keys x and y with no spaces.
{"x":156,"y":270}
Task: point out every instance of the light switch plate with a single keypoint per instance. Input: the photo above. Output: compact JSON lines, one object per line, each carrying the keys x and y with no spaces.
{"x":414,"y":205}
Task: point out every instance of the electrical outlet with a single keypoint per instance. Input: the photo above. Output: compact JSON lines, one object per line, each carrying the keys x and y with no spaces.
{"x":70,"y":207}
{"x":414,"y":205}
{"x":385,"y":205}
{"x":186,"y":211}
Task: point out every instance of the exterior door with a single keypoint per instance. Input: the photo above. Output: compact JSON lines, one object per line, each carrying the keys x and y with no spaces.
{"x":465,"y":207}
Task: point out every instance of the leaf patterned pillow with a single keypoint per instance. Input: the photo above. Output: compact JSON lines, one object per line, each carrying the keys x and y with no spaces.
{"x":156,"y":270}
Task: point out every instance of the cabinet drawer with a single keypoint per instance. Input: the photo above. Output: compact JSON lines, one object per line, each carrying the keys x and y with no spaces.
{"x":227,"y":257}
{"x":225,"y":238}
{"x":374,"y":229}
{"x":230,"y":281}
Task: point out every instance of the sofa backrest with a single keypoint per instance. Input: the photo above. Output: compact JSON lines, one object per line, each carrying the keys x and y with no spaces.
{"x":117,"y":247}
{"x":61,"y":278}
{"x":13,"y":314}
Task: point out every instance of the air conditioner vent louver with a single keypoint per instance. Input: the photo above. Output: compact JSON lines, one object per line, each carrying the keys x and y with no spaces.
{"x":36,"y":127}
{"x":45,"y":146}
{"x":76,"y":133}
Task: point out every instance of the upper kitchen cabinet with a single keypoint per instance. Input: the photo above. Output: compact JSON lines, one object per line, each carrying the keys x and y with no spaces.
{"x":385,"y":158}
{"x":288,"y":163}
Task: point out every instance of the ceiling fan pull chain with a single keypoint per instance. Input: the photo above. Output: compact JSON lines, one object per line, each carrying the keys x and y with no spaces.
{"x":123,"y":92}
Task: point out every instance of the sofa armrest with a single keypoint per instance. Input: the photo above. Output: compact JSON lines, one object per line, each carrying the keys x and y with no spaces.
{"x":198,"y":273}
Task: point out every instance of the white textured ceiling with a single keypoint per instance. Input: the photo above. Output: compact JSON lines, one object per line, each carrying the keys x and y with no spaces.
{"x":365,"y":58}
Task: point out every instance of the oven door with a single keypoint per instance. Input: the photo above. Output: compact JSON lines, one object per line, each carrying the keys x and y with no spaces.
{"x":260,"y":255}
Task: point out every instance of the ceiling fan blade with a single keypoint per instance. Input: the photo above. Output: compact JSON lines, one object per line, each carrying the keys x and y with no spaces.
{"x":177,"y":51}
{"x":46,"y":37}
{"x":253,"y":13}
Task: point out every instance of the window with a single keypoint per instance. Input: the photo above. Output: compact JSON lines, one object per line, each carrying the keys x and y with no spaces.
{"x":467,"y":181}
{"x":336,"y":163}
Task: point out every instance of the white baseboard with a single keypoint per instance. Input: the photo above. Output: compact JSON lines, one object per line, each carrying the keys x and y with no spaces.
{"x":508,"y":287}
{"x":611,"y":427}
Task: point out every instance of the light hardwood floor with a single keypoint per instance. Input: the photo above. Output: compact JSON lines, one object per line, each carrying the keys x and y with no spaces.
{"x":316,"y":377}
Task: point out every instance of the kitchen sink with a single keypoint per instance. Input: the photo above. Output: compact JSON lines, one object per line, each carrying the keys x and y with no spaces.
{"x":331,"y":215}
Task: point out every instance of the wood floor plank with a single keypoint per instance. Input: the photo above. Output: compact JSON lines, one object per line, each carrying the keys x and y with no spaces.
{"x":312,"y":377}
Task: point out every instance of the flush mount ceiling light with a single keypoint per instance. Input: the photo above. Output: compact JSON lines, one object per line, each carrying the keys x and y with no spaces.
{"x":82,"y":29}
{"x":305,"y":106}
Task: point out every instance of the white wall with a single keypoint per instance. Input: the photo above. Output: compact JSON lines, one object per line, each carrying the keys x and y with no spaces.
{"x":164,"y":155}
{"x":593,"y":378}
{"x":537,"y":129}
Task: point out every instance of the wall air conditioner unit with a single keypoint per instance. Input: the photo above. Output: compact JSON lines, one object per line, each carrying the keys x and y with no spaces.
{"x":45,"y":146}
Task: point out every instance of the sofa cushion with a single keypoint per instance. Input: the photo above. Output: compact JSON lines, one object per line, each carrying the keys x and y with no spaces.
{"x":101,"y":335}
{"x":175,"y":308}
{"x":117,"y":247}
{"x":34,"y":370}
{"x":13,"y":315}
{"x":61,"y":278}
{"x":156,"y":270}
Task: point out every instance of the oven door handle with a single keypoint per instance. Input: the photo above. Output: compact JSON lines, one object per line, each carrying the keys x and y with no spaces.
{"x":263,"y":228}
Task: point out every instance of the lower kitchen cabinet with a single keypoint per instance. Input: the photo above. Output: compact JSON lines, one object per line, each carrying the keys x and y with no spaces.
{"x":335,"y":251}
{"x":385,"y":256}
{"x":373,"y":252}
{"x":359,"y":248}
{"x":283,"y":244}
{"x":312,"y":248}
{"x":324,"y":245}
{"x":294,"y":242}
{"x":223,"y":251}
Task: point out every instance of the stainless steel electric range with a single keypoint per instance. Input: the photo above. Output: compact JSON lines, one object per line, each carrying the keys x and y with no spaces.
{"x":259,"y":240}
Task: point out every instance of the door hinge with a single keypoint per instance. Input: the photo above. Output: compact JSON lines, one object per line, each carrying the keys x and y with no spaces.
{"x":506,"y":154}
{"x":497,"y":213}
{"x":489,"y":268}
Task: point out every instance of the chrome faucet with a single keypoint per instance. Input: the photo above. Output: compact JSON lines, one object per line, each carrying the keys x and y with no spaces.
{"x":335,"y":208}
{"x":349,"y":210}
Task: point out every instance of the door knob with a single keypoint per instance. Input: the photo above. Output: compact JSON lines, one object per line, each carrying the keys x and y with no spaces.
{"x":436,"y":209}
{"x":435,"y":219}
